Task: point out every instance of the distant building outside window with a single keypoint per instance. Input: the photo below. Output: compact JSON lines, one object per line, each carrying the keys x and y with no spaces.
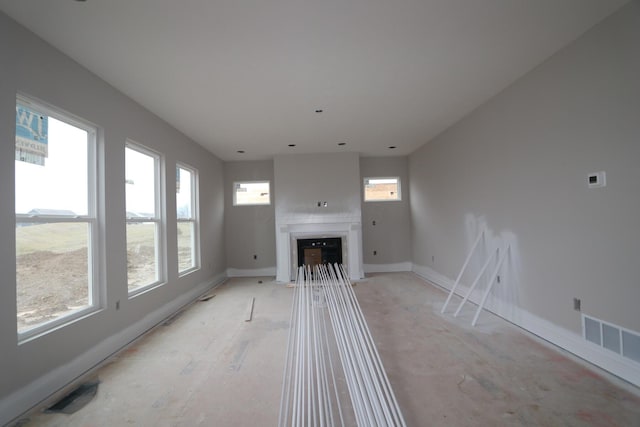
{"x":382,"y":189}
{"x":251,"y":193}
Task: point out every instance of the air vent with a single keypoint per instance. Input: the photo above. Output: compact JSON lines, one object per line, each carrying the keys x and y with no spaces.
{"x":612,"y":337}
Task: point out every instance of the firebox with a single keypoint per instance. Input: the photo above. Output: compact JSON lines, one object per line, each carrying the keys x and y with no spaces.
{"x":319,"y":251}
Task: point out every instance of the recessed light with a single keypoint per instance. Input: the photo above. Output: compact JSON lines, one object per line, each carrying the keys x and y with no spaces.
{"x":342,"y":143}
{"x":319,"y":110}
{"x":240,"y":151}
{"x":292,"y":145}
{"x":391,"y":147}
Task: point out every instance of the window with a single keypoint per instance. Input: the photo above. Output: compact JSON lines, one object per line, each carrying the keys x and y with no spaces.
{"x":382,"y":189}
{"x":145,"y":248}
{"x":56,"y":218}
{"x":187,"y":218}
{"x":251,"y":193}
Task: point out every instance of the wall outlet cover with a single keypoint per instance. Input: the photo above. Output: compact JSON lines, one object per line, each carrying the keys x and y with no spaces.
{"x":597,"y":179}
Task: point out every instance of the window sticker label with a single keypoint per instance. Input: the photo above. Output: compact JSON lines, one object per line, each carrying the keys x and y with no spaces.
{"x":31,"y":136}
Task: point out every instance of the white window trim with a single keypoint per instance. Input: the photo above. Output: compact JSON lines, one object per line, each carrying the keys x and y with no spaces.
{"x":159,"y":219}
{"x":259,"y":181}
{"x":95,"y":291}
{"x":195,"y":219}
{"x":364,"y":186}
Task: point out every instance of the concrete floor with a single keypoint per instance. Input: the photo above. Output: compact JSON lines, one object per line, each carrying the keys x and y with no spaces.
{"x":209,"y":367}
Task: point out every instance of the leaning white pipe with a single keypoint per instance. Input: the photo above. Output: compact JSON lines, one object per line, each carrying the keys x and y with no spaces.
{"x":475,"y":282}
{"x":464,"y":267}
{"x":494,"y":275}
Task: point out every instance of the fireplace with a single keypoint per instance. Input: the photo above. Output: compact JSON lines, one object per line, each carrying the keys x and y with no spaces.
{"x":348,"y":234}
{"x":319,"y":251}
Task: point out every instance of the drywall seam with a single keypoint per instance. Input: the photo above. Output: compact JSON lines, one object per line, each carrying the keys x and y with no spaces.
{"x":251,"y":272}
{"x":31,"y":395}
{"x":567,"y":340}
{"x":388,"y":268}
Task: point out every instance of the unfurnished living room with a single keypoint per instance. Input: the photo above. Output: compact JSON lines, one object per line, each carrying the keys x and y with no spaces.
{"x":372,"y":213}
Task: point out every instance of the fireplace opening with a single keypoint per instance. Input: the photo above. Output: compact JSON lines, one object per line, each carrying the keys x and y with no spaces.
{"x":319,"y":251}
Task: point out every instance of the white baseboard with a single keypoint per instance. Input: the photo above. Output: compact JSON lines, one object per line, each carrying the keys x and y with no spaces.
{"x":36,"y":392}
{"x":387,"y":268}
{"x":612,"y":362}
{"x":251,"y":272}
{"x":368,"y":268}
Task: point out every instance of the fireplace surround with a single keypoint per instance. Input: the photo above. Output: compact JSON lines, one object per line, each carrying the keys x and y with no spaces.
{"x":287,"y":236}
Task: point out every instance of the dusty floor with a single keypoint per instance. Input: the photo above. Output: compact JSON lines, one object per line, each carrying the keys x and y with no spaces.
{"x":209,"y":367}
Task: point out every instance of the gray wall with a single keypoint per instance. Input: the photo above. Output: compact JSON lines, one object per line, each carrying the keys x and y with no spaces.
{"x":31,"y":66}
{"x":520,"y":164}
{"x":303,"y":180}
{"x":391,"y":236}
{"x":249,"y":230}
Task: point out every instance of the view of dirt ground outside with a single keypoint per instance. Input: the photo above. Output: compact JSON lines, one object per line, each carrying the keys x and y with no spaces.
{"x":51,"y":271}
{"x":142,"y":268}
{"x":186,"y":255}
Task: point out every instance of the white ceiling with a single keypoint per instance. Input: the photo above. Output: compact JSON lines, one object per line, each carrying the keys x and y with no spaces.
{"x":249,"y":74}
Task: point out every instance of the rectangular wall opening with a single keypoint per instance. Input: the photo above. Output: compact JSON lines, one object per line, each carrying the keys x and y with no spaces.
{"x":319,"y":251}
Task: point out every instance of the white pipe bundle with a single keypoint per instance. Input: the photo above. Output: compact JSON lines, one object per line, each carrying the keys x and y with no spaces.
{"x":330,"y":349}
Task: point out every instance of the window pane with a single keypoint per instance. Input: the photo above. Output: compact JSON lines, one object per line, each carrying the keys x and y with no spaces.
{"x":381,"y":189}
{"x":252,"y":193}
{"x":52,"y":272}
{"x":186,"y":256}
{"x":142,"y":266}
{"x":55,"y":181}
{"x":184,"y":198}
{"x":141,"y":184}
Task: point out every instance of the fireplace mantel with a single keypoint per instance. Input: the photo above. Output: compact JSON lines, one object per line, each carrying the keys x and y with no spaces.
{"x":288,"y":233}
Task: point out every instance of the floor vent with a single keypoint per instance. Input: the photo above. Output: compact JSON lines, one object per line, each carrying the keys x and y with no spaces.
{"x":77,"y":399}
{"x":612,"y":337}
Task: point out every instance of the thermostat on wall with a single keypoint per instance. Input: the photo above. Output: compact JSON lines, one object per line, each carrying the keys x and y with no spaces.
{"x":597,"y":179}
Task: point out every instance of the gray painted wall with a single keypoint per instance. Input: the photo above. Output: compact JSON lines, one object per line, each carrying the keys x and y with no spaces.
{"x":391,"y":236}
{"x":303,"y":180}
{"x":31,"y":66}
{"x":520,"y":164}
{"x":249,"y":230}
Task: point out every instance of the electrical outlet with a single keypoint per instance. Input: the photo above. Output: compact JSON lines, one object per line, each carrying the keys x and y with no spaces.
{"x":597,"y":179}
{"x":373,"y":222}
{"x":577,"y":304}
{"x":255,"y":256}
{"x":375,"y":252}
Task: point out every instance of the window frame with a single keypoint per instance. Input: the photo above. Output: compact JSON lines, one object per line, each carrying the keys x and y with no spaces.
{"x":364,"y":189}
{"x":194,"y":219}
{"x":258,"y":181}
{"x":158,"y":219}
{"x":95,"y":286}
